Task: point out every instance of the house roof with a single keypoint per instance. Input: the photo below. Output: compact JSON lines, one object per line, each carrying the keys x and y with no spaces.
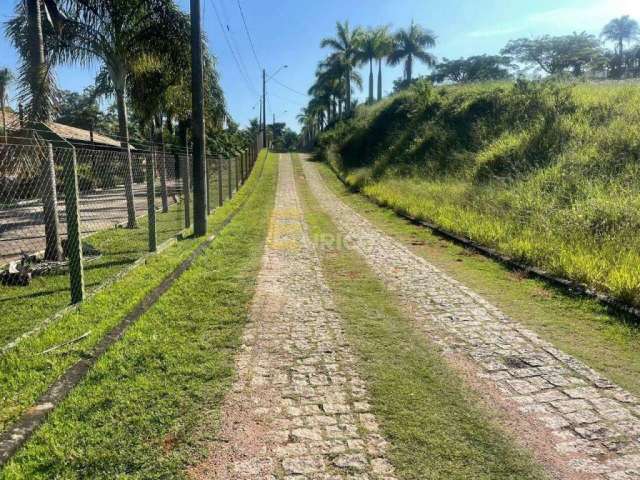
{"x":66,"y":132}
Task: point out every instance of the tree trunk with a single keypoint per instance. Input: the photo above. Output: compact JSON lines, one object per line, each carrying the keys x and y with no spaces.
{"x":379,"y":79}
{"x":370,"y":81}
{"x":162,"y":167}
{"x":37,"y":75}
{"x":4,"y":118}
{"x":409,"y":67}
{"x":127,"y":163}
{"x":348,"y":106}
{"x":53,"y":246}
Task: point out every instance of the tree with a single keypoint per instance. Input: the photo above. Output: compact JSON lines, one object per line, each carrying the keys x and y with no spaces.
{"x":620,"y":30}
{"x":345,"y":46}
{"x":555,"y":55}
{"x":412,"y":43}
{"x":5,"y":79}
{"x":367,"y":50}
{"x":473,"y":69}
{"x":384,"y":46}
{"x":125,"y":36}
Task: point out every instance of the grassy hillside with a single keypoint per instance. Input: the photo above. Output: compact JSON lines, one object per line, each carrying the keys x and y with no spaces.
{"x":546,"y":173}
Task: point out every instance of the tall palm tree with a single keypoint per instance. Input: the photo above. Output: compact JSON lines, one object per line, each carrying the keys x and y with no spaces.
{"x":345,"y":47}
{"x":125,"y":36}
{"x":367,"y":49}
{"x":620,"y":30}
{"x":384,"y":47}
{"x":5,"y":78}
{"x":412,"y":43}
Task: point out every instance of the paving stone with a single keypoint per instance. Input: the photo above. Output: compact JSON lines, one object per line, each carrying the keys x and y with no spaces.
{"x":297,"y":376}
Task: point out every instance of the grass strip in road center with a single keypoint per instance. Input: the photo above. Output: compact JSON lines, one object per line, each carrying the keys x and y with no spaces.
{"x":437,"y":427}
{"x":149,"y":403}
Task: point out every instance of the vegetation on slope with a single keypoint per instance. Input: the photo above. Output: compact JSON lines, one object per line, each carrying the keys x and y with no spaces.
{"x":544,"y":172}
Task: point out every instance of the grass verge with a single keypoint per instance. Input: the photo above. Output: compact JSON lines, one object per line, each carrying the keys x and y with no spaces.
{"x":434,"y":423}
{"x":149,"y":404}
{"x":24,"y":308}
{"x":604,"y":340}
{"x":25,"y":373}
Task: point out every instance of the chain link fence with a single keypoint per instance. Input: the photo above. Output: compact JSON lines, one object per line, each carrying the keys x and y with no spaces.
{"x":60,"y":203}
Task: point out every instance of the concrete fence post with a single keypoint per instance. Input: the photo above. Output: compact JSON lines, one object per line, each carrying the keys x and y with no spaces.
{"x":229,"y":179}
{"x":74,"y":241}
{"x":151,"y":201}
{"x":219,"y":169}
{"x":186,"y":186}
{"x":162,"y":166}
{"x":53,"y":247}
{"x":207,"y":159}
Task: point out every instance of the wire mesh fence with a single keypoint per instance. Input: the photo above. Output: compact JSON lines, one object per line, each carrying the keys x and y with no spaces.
{"x":52,"y":191}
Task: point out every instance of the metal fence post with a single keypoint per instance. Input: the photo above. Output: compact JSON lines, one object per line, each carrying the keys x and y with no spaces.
{"x":151,"y":201}
{"x":186,"y":186}
{"x":74,"y":242}
{"x":53,"y":247}
{"x":162,"y":166}
{"x":219,"y":168}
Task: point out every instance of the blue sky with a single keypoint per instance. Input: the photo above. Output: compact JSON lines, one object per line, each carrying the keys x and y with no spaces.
{"x":289,"y":32}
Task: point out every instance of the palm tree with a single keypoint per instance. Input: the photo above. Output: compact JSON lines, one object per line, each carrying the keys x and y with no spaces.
{"x":620,"y":30}
{"x":5,"y":78}
{"x":125,"y":36}
{"x":345,"y":47}
{"x":384,"y":47}
{"x":367,"y":50}
{"x":410,"y":44}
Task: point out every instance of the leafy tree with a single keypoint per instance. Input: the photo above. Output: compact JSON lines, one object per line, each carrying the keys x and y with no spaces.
{"x":621,"y":30}
{"x":555,"y":55}
{"x":5,"y":79}
{"x":78,"y":109}
{"x":411,"y":44}
{"x":473,"y":69}
{"x":345,"y":47}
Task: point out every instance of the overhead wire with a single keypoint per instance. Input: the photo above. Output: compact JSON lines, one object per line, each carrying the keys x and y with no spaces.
{"x":246,"y":29}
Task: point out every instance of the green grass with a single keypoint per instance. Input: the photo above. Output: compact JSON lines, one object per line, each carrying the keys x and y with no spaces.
{"x":25,"y":374}
{"x":149,"y":405}
{"x":606,"y":341}
{"x":437,"y":427}
{"x":24,"y":308}
{"x":544,"y":173}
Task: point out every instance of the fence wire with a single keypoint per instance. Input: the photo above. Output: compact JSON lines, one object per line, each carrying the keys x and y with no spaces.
{"x":114,"y":191}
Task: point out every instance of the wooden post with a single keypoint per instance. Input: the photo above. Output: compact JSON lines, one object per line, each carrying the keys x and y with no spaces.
{"x":208,"y":185}
{"x":238,"y":170}
{"x":229,"y":180}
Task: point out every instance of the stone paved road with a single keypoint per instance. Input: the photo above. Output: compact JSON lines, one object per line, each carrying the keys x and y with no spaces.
{"x":298,"y":410}
{"x":593,"y":425}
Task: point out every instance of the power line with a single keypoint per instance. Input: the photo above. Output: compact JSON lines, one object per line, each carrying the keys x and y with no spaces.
{"x":289,"y":88}
{"x":242,"y":71}
{"x":246,"y":29}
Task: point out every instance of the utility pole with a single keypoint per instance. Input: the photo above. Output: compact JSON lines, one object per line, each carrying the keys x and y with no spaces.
{"x":197,"y":101}
{"x":264,"y":108}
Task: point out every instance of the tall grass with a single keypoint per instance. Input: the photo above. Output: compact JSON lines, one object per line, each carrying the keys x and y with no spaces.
{"x":547,"y":173}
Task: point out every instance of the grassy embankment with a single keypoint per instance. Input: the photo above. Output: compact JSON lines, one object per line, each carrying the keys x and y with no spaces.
{"x":437,"y":427}
{"x":25,"y":373}
{"x":547,"y":174}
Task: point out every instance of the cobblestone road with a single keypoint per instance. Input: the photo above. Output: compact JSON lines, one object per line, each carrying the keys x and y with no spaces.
{"x":594,"y":425}
{"x":298,"y":410}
